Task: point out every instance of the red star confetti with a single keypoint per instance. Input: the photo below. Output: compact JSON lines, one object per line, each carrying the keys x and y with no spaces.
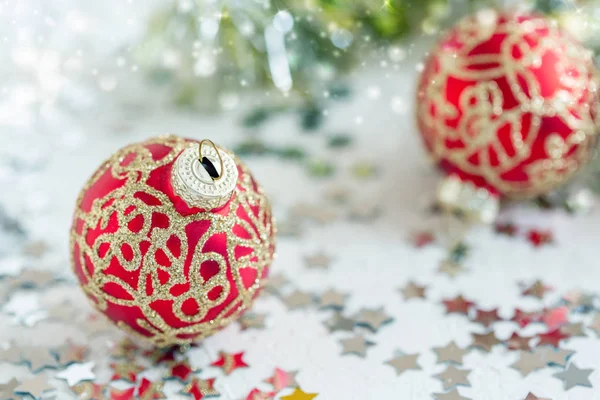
{"x":282,"y":379}
{"x":458,"y":305}
{"x":148,"y":390}
{"x":539,"y":238}
{"x":537,"y":289}
{"x":116,"y":394}
{"x":508,"y":229}
{"x":422,"y":238}
{"x":200,"y":388}
{"x":551,"y":338}
{"x":299,"y":394}
{"x":532,"y":396}
{"x":230,"y":362}
{"x":180,"y":370}
{"x":256,"y":394}
{"x":524,"y":318}
{"x":126,"y":371}
{"x":486,"y":318}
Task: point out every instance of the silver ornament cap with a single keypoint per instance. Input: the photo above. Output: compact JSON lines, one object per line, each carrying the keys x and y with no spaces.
{"x":204,"y":175}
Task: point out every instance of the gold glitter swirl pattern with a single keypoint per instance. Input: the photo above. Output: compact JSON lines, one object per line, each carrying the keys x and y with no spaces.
{"x":155,"y":267}
{"x":502,"y":66}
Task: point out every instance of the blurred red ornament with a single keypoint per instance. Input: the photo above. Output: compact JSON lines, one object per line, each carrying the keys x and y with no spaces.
{"x":172,"y":240}
{"x":507,"y":106}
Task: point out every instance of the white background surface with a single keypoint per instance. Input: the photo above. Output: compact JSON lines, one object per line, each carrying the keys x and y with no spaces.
{"x":371,"y":260}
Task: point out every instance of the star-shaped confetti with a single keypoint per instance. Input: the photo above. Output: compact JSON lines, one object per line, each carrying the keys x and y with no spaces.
{"x":76,"y":373}
{"x":458,"y":305}
{"x":126,"y":371}
{"x":229,"y":362}
{"x":257,"y":394}
{"x":148,"y":390}
{"x":528,"y":362}
{"x":551,"y":338}
{"x":574,"y":376}
{"x":31,"y":278}
{"x":451,"y":395}
{"x":355,"y":345}
{"x":7,"y":389}
{"x":338,"y":322}
{"x":372,"y":319}
{"x":537,"y":289}
{"x":200,"y":388}
{"x":450,"y":353}
{"x":38,"y":358}
{"x":573,"y":330}
{"x":11,"y":354}
{"x":252,"y":321}
{"x":282,"y":379}
{"x":453,"y":376}
{"x":89,"y":390}
{"x":35,"y":386}
{"x":539,"y":238}
{"x":486,"y":318}
{"x":404,"y":362}
{"x":161,"y":355}
{"x":517,"y":342}
{"x":71,"y":353}
{"x":555,"y":317}
{"x":180,"y":370}
{"x":124,"y":349}
{"x":332,"y":299}
{"x":299,"y":394}
{"x":318,"y":260}
{"x":555,"y":356}
{"x":297,"y":299}
{"x":117,"y":394}
{"x":95,"y":325}
{"x":413,"y":291}
{"x":531,"y":396}
{"x":524,"y":318}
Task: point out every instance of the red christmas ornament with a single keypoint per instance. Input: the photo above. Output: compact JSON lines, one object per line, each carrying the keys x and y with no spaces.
{"x":172,"y":239}
{"x":507,"y":106}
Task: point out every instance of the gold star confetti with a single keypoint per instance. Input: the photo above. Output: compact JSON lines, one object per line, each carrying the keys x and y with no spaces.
{"x":200,"y":388}
{"x":89,"y":390}
{"x":528,"y":362}
{"x":299,"y":394}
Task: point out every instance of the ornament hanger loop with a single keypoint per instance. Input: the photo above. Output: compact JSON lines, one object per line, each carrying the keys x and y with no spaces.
{"x":207,"y":164}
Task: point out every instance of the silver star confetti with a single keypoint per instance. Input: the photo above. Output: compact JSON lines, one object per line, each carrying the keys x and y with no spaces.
{"x":38,"y":358}
{"x":319,"y":260}
{"x":528,"y":362}
{"x":453,"y":376}
{"x":339,"y":323}
{"x":76,"y":373}
{"x":558,"y":356}
{"x":11,"y":354}
{"x":413,"y":291}
{"x":297,"y":299}
{"x":252,"y":320}
{"x":372,"y":319}
{"x":574,"y":376}
{"x":34,"y":386}
{"x":450,"y":353}
{"x":332,"y":299}
{"x":355,"y":345}
{"x":404,"y":362}
{"x":7,"y":389}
